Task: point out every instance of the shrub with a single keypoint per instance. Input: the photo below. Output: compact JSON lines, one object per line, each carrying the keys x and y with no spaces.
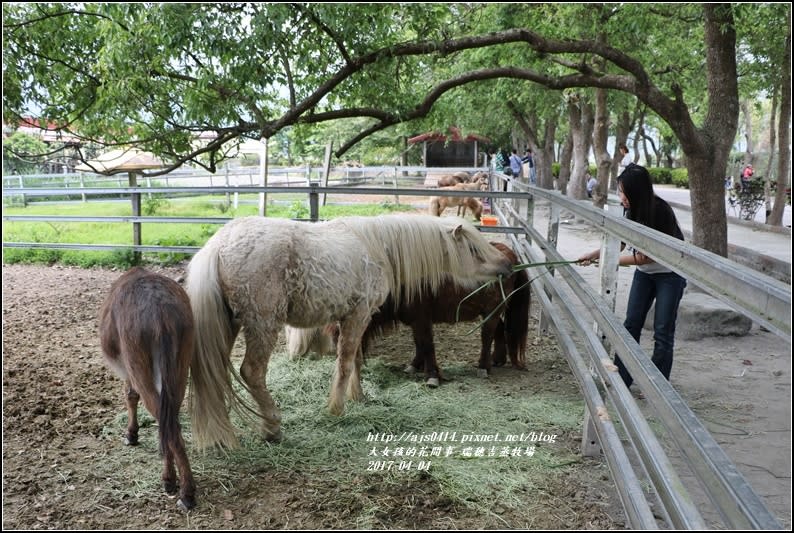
{"x":172,"y":258}
{"x":660,"y":175}
{"x":152,"y":204}
{"x":680,"y":178}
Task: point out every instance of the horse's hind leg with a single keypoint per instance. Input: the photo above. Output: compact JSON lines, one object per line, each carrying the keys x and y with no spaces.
{"x":426,"y":351}
{"x":499,"y":357}
{"x":174,"y":453}
{"x":487,"y":337}
{"x":354,"y":390}
{"x":351,"y":330}
{"x":259,"y":344}
{"x":131,"y":398}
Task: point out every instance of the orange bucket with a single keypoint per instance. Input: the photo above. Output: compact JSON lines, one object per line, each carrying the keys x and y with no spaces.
{"x":489,"y":220}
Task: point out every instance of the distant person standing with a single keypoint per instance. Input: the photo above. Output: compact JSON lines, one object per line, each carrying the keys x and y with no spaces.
{"x":625,"y":158}
{"x":502,"y":160}
{"x":747,"y":177}
{"x":530,"y":161}
{"x":515,"y":164}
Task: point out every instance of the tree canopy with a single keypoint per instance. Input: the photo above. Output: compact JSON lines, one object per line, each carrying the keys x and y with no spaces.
{"x":160,"y":75}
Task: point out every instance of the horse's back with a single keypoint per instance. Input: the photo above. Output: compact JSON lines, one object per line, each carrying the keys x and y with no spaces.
{"x":305,"y":274}
{"x":143,"y":311}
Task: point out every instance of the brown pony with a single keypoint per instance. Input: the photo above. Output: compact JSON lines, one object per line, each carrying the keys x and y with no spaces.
{"x":453,"y":179}
{"x":508,"y":335}
{"x":479,"y":182}
{"x":147,"y":335}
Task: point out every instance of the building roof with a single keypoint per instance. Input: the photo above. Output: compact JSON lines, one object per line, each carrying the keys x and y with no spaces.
{"x":49,"y":132}
{"x":454,"y":135}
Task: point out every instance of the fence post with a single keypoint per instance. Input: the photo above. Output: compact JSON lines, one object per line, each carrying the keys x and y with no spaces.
{"x":22,"y":186}
{"x":237,"y":194}
{"x":396,"y":196}
{"x":314,"y":202}
{"x":82,"y":186}
{"x":327,"y":167}
{"x":136,"y":212}
{"x":228,"y":195}
{"x":263,"y":177}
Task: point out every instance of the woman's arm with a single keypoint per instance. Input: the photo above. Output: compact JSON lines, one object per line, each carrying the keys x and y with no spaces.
{"x":636,"y":258}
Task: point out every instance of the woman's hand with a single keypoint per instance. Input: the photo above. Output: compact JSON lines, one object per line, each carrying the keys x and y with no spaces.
{"x":589,"y":258}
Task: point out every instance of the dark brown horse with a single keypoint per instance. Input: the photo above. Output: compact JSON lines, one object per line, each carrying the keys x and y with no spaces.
{"x":147,"y":335}
{"x":508,"y":335}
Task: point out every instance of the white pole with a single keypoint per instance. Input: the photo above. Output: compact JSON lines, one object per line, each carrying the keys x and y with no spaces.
{"x":263,"y":177}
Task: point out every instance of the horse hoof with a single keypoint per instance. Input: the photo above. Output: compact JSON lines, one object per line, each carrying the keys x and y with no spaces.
{"x":185,"y":504}
{"x":410,"y":369}
{"x":274,"y":437}
{"x":433,"y":382}
{"x":130,"y":441}
{"x":482,"y":373}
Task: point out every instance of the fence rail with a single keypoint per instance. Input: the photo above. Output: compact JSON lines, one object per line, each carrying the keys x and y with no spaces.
{"x":764,"y":299}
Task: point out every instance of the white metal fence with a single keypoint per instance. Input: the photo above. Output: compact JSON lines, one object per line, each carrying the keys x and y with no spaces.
{"x":765,"y":300}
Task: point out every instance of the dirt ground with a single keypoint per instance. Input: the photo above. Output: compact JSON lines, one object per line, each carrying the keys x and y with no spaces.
{"x":62,"y":436}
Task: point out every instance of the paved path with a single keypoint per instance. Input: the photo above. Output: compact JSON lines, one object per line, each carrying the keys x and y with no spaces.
{"x":753,"y":236}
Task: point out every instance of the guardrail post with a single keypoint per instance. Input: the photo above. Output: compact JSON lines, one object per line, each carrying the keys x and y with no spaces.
{"x":608,"y":261}
{"x":590,"y":444}
{"x":551,"y":237}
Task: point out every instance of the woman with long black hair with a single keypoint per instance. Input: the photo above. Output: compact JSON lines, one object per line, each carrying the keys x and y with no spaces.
{"x":652,"y":281}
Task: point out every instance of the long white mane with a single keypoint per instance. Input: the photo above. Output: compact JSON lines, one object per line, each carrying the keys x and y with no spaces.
{"x":421,"y":251}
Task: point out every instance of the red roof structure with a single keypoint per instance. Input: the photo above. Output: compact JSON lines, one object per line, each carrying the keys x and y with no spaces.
{"x":454,"y":136}
{"x":49,"y":132}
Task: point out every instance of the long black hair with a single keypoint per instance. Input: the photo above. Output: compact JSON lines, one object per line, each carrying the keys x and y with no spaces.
{"x":644,"y":206}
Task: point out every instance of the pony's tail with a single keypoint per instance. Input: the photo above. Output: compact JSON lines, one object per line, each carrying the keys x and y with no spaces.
{"x":517,"y":320}
{"x":301,"y":341}
{"x":211,"y":391}
{"x":172,"y":387}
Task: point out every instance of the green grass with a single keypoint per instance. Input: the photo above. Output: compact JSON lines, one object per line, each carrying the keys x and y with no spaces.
{"x":157,"y":234}
{"x":330,"y":451}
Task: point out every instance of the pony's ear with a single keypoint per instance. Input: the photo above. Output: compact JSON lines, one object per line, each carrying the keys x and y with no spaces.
{"x":458,"y":231}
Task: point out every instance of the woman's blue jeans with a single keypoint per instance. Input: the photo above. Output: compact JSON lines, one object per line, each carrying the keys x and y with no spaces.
{"x":667,"y":289}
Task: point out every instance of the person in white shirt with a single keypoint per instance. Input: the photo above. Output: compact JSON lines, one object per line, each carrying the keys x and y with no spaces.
{"x":625,"y":160}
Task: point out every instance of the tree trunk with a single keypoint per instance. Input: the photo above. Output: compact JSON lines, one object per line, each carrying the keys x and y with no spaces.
{"x":545,"y":156}
{"x":748,"y":133}
{"x":565,"y":164}
{"x":776,"y":217}
{"x":768,"y":171}
{"x":635,"y":149}
{"x":707,"y":154}
{"x":602,"y":157}
{"x":542,"y":149}
{"x":581,"y":118}
{"x":622,"y":129}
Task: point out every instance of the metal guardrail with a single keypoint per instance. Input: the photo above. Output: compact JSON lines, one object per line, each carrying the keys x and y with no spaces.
{"x":735,"y":500}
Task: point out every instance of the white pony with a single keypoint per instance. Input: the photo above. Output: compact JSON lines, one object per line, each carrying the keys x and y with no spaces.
{"x":259,"y":274}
